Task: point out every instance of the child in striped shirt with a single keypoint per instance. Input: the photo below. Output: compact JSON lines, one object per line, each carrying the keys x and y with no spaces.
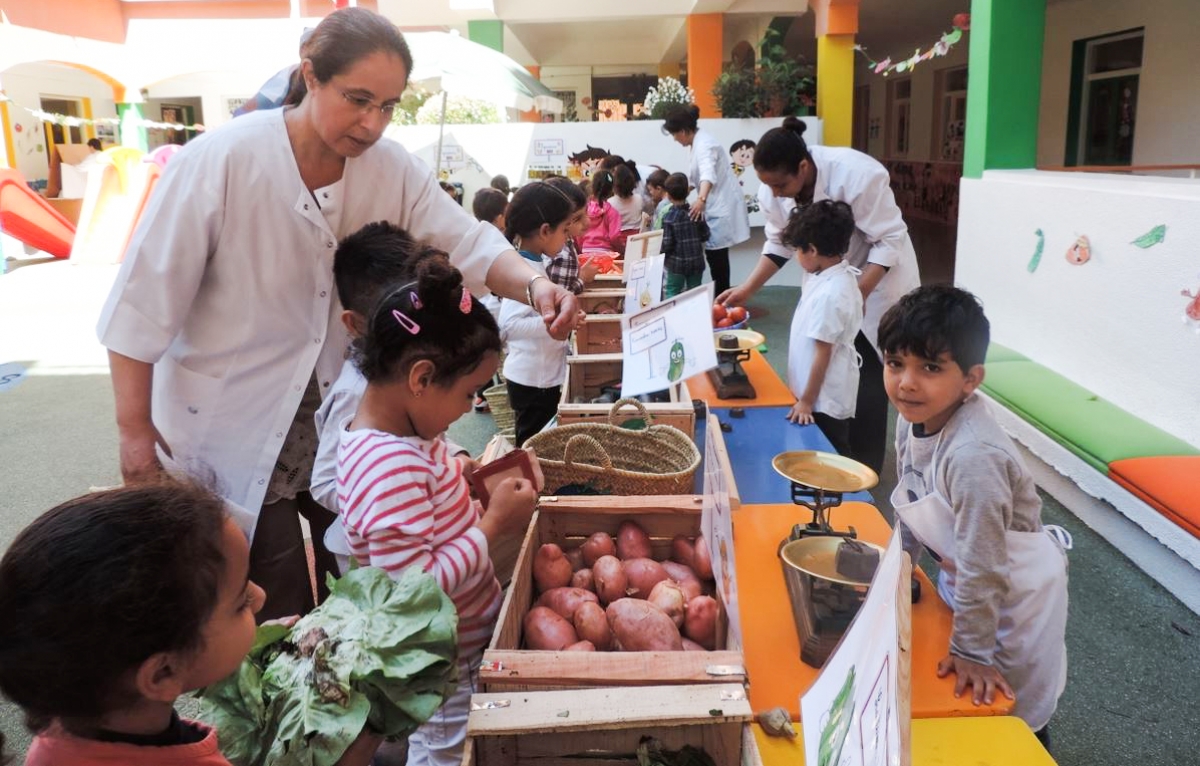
{"x":428,"y":347}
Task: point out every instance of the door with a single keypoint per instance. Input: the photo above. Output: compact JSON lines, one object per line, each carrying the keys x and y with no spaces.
{"x":1110,"y":121}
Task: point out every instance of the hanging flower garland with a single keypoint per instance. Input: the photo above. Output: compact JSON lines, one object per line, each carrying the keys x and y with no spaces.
{"x":75,"y":122}
{"x":960,"y":24}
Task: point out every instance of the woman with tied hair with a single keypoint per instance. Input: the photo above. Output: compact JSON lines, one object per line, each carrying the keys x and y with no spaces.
{"x":222,"y":327}
{"x":718,"y":194}
{"x":793,"y":173}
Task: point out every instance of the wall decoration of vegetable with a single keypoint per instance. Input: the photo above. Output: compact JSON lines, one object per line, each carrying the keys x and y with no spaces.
{"x":1037,"y":252}
{"x":1151,"y":238}
{"x":377,"y":653}
{"x":1080,"y":252}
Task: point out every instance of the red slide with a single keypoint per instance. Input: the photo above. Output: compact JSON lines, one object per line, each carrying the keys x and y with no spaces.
{"x":29,"y":218}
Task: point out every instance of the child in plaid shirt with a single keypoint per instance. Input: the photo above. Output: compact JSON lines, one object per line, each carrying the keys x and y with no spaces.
{"x":683,"y":240}
{"x":564,"y":268}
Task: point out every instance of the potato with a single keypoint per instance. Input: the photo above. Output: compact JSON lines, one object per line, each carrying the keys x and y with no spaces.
{"x":669,"y":597}
{"x":642,"y":575}
{"x":632,"y":541}
{"x":642,"y":627}
{"x":545,"y":629}
{"x":610,"y":579}
{"x":702,"y":560}
{"x":684,"y":577}
{"x":551,"y":569}
{"x":565,"y":601}
{"x":575,"y":556}
{"x":691,"y":646}
{"x":592,"y":625}
{"x":683,"y":550}
{"x":581,"y":646}
{"x":599,"y":544}
{"x":700,"y":622}
{"x":584,"y":579}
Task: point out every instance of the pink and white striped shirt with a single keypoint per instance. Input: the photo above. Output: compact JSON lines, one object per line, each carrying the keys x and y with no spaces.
{"x":405,"y":503}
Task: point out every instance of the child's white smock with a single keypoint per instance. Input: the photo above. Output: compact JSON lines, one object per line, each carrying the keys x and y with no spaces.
{"x":725,"y":207}
{"x":830,"y":310}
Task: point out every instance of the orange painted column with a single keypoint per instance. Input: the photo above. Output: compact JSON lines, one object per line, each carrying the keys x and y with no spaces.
{"x":704,"y":40}
{"x":533,"y":115}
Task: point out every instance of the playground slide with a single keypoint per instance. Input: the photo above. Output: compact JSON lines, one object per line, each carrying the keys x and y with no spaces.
{"x":113,"y":203}
{"x":30,"y":219}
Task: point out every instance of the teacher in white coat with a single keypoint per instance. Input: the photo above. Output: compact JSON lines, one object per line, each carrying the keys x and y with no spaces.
{"x":718,"y":196}
{"x":793,"y":173}
{"x":222,"y":327}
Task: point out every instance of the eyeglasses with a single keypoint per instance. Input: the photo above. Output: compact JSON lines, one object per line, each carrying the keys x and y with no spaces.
{"x":365,"y":105}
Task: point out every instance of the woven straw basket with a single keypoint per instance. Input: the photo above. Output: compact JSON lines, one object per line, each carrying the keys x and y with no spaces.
{"x":604,"y":458}
{"x":502,"y":411}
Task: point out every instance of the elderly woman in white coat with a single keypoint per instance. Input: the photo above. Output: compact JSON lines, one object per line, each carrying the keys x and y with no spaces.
{"x":222,"y":327}
{"x":718,"y":195}
{"x":792,"y":173}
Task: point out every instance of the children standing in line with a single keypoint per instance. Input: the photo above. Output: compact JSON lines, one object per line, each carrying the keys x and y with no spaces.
{"x":822,"y":362}
{"x":429,"y":346}
{"x":658,"y":197}
{"x":603,"y":232}
{"x":565,"y":268}
{"x":683,"y":240}
{"x":538,"y":218}
{"x":628,"y":203}
{"x":965,"y":494}
{"x":489,"y":205}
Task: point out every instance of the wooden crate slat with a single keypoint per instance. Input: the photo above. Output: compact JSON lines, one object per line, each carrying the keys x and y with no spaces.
{"x":567,"y":669}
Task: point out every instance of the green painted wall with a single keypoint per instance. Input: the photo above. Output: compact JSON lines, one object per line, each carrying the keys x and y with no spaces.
{"x":487,"y":32}
{"x":131,"y":134}
{"x":1006,"y":78}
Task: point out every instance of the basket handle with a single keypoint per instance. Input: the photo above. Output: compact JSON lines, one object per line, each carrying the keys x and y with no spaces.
{"x":614,"y":415}
{"x":583,"y":441}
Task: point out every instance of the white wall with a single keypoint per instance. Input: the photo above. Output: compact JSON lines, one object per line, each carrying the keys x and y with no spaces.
{"x":26,"y":84}
{"x":1115,"y":324}
{"x":212,"y":89}
{"x":1168,"y":108}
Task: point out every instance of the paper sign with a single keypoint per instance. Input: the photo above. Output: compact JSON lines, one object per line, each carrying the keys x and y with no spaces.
{"x":645,"y":283}
{"x":452,"y":154}
{"x":639,"y":246}
{"x":716,"y":523}
{"x":669,"y":342}
{"x":548,"y":147}
{"x":850,"y":713}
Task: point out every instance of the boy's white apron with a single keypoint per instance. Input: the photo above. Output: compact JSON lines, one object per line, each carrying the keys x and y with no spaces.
{"x":1030,"y":649}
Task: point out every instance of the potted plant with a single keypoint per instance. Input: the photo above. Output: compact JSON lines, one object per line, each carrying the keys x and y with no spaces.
{"x":737,"y":93}
{"x":785,"y":84}
{"x":666,"y":95}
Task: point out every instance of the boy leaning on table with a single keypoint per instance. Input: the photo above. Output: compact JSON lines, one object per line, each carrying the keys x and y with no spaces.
{"x":965,"y":495}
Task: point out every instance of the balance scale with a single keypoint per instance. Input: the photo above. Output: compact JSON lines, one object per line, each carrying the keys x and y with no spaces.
{"x":728,"y":379}
{"x":827,"y":572}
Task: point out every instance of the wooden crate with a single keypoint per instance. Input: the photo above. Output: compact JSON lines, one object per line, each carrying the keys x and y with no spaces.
{"x":592,"y":300}
{"x":587,"y":374}
{"x":568,"y":521}
{"x":598,"y":334}
{"x":603,"y":727}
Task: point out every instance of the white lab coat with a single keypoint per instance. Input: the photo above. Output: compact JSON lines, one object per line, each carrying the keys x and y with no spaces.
{"x":830,"y":311}
{"x":880,"y":234}
{"x":227,"y":289}
{"x":725,"y":208}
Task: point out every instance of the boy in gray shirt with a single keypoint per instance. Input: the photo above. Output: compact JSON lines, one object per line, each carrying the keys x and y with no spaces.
{"x":965,"y":495}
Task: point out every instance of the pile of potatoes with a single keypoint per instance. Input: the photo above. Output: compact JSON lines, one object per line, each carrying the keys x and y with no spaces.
{"x":610,"y":595}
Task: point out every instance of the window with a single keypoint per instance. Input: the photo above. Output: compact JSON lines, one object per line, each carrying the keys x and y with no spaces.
{"x":950,"y":114}
{"x":1104,"y":90}
{"x":69,"y":107}
{"x":899,"y":109}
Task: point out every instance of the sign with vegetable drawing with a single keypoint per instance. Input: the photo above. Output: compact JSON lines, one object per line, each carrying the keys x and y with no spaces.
{"x":850,"y":713}
{"x":644,"y":288}
{"x":716,"y":524}
{"x":668,"y":342}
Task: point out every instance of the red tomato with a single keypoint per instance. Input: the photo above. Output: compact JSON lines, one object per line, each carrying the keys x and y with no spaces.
{"x":719,"y":312}
{"x":737,"y":314}
{"x":726,"y":322}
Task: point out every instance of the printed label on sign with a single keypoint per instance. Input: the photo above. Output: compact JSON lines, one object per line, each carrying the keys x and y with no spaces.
{"x":11,"y":375}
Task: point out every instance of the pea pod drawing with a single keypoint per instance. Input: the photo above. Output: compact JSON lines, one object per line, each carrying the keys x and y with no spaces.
{"x":837,"y":725}
{"x":1037,"y":252}
{"x":1155,"y":236}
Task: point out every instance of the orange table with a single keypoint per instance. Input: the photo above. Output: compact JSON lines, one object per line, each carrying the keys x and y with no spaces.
{"x":998,"y":741}
{"x":769,"y":640}
{"x":771,"y":390}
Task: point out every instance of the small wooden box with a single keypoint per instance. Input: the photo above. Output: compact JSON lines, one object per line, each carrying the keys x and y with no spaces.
{"x":594,"y":300}
{"x":603,"y":727}
{"x":598,"y":334}
{"x":568,"y":521}
{"x":587,"y":374}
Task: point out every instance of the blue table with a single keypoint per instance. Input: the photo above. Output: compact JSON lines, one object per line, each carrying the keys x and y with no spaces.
{"x":755,"y":439}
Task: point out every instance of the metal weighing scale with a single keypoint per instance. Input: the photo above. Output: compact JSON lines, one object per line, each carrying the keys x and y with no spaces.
{"x":728,"y":379}
{"x":825,"y":587}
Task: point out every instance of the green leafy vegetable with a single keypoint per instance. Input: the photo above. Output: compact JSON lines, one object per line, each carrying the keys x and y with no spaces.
{"x":652,"y":752}
{"x":377,"y":653}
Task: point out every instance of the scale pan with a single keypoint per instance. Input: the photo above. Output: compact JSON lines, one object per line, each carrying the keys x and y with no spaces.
{"x":817,"y":556}
{"x":746,"y":339}
{"x":827,"y":471}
